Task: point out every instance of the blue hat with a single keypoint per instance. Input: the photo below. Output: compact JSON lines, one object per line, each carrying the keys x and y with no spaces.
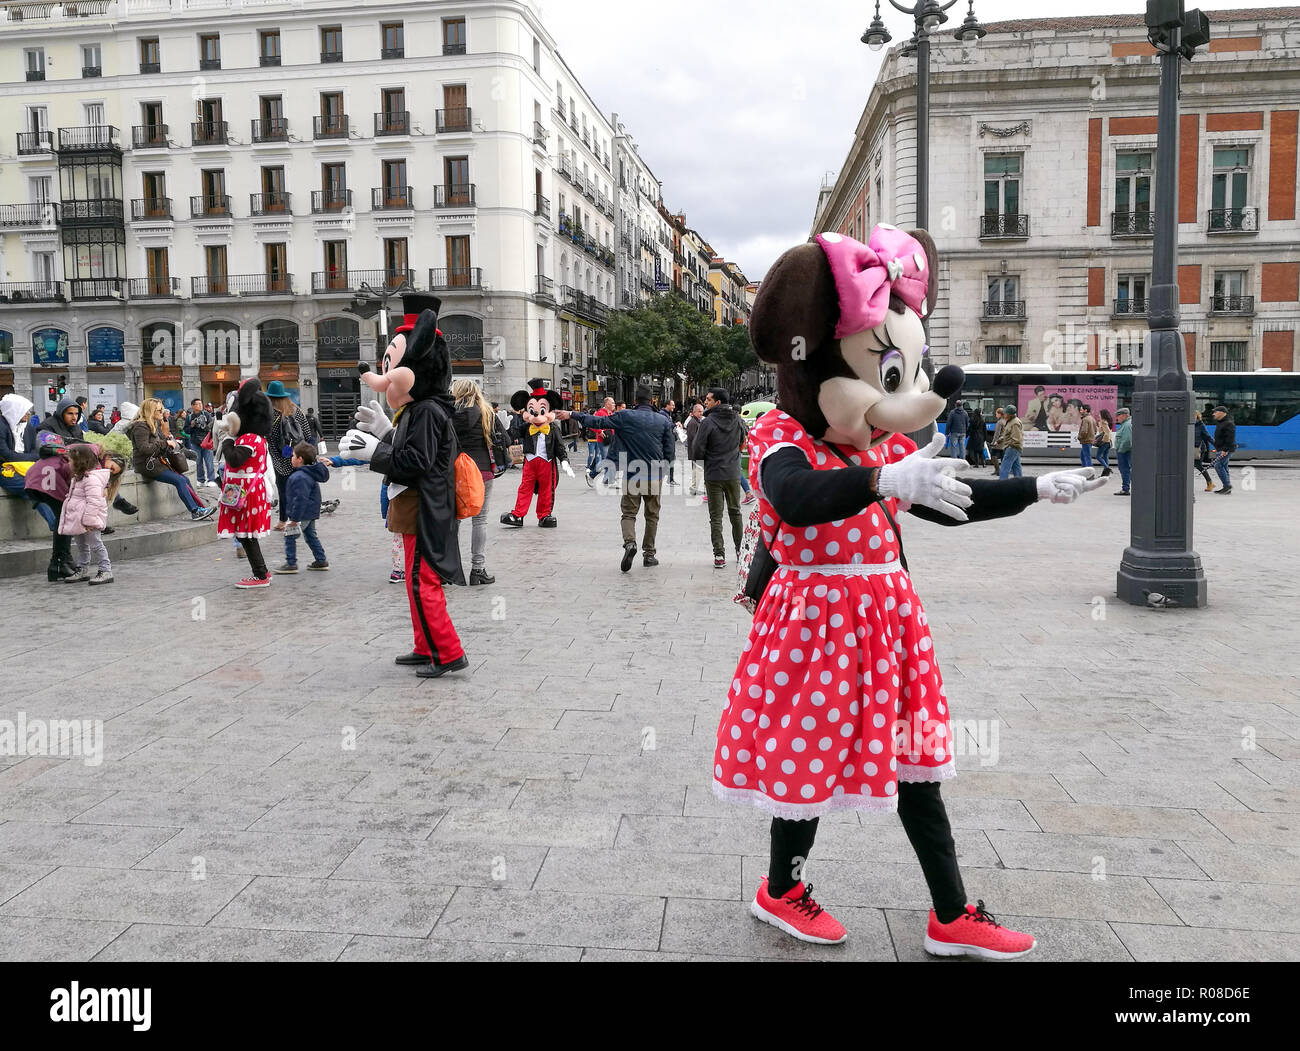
{"x":275,"y":389}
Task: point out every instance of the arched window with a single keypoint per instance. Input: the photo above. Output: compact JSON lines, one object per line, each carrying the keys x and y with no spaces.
{"x":338,"y":339}
{"x":277,"y":341}
{"x":105,"y":346}
{"x":158,"y":345}
{"x":220,"y":344}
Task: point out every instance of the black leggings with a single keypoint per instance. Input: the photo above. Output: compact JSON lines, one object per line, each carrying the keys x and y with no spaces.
{"x":921,"y":809}
{"x":254,"y":552}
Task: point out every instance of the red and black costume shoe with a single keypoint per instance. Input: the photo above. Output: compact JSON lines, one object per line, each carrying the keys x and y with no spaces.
{"x":535,"y":428}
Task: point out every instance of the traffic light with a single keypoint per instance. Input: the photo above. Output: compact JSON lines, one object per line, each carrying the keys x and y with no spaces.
{"x":63,"y":386}
{"x":54,"y":393}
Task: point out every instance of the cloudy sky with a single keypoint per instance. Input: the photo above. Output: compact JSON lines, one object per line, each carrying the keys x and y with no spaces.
{"x":741,"y":108}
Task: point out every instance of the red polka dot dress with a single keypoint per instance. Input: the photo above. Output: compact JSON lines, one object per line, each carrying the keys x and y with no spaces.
{"x":837,"y":696}
{"x":254,"y":518}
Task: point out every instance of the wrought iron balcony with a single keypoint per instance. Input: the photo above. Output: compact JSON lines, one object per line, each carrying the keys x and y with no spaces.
{"x":241,"y":285}
{"x":97,"y":287}
{"x":453,"y":49}
{"x":392,"y":52}
{"x":1241,"y":305}
{"x":42,"y":213}
{"x":457,"y":195}
{"x":273,"y":202}
{"x":326,"y":281}
{"x":92,"y":71}
{"x":331,"y":126}
{"x":95,"y":210}
{"x":31,"y":291}
{"x":1004,"y":308}
{"x":581,"y":303}
{"x":540,"y":134}
{"x":30,"y":142}
{"x":91,"y":137}
{"x":545,"y":287}
{"x":271,"y":129}
{"x":391,"y":199}
{"x":153,"y":288}
{"x":1133,"y":224}
{"x":209,"y":63}
{"x":331,"y":56}
{"x":995,"y":227}
{"x":268,"y":60}
{"x":542,"y":206}
{"x":1234,"y":220}
{"x":151,"y":208}
{"x":393,"y":122}
{"x":150,"y":67}
{"x":466,"y":277}
{"x":325,"y":201}
{"x":1130,"y":308}
{"x":210,"y":132}
{"x":210,"y":205}
{"x":35,"y":74}
{"x":149,"y":136}
{"x":454,"y":119}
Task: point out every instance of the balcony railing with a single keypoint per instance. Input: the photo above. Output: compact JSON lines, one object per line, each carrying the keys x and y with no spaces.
{"x":210,"y":132}
{"x":456,"y":277}
{"x":540,"y":134}
{"x":581,"y":303}
{"x":95,"y":210}
{"x":149,"y":136}
{"x":97,"y":287}
{"x":209,"y":63}
{"x":331,"y":126}
{"x":324,"y":201}
{"x":92,"y":71}
{"x":150,"y":67}
{"x":210,"y":204}
{"x":542,"y":206}
{"x":30,"y":142}
{"x":352,"y":280}
{"x":545,"y":287}
{"x":271,"y":129}
{"x":393,"y":122}
{"x":268,"y":60}
{"x":153,"y":288}
{"x":392,"y":52}
{"x":1133,"y":224}
{"x":391,"y":198}
{"x":241,"y":285}
{"x":274,"y":202}
{"x":454,"y":119}
{"x":1130,"y":308}
{"x":1004,"y":308}
{"x":1003,"y":227}
{"x":92,"y":137}
{"x":331,"y":56}
{"x":151,"y":208}
{"x":457,"y":195}
{"x":31,"y":291}
{"x":42,"y":213}
{"x":453,"y":49}
{"x":35,"y":74}
{"x":1232,"y":305}
{"x":1234,"y":220}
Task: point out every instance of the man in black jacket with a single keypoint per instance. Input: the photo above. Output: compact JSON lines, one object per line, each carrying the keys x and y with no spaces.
{"x":717,"y":443}
{"x":1225,"y":444}
{"x":642,"y":449}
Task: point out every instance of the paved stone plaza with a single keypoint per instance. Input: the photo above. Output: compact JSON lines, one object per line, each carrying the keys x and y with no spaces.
{"x":273,"y":787}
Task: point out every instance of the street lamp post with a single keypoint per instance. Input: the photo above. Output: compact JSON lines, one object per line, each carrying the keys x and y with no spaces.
{"x":1159,"y":559}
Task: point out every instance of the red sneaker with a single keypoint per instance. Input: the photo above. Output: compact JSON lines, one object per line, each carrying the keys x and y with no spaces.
{"x":975,"y":933}
{"x":798,"y":915}
{"x":253,"y":582}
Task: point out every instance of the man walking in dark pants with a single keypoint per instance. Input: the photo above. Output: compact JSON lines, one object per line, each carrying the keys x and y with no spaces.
{"x":718,"y":443}
{"x":1225,"y":444}
{"x":642,"y":449}
{"x":666,"y":412}
{"x":198,"y":428}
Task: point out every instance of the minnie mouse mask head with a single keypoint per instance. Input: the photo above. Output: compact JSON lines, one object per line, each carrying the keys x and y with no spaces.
{"x":417,"y":363}
{"x":841,"y":320}
{"x":536,"y":405}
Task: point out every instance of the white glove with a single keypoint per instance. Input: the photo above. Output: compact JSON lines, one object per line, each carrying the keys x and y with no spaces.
{"x":921,"y":479}
{"x":371,"y":418}
{"x":564,"y":466}
{"x":1065,"y":487}
{"x":357,"y":445}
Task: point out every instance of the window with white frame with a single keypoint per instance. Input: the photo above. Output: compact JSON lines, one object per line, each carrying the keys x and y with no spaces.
{"x":1003,"y":296}
{"x":1229,"y":292}
{"x":1002,"y":354}
{"x":1229,"y":189}
{"x":34,"y":61}
{"x":1131,"y":294}
{"x":91,"y":60}
{"x":1002,"y":178}
{"x":1228,"y":355}
{"x":1134,"y":176}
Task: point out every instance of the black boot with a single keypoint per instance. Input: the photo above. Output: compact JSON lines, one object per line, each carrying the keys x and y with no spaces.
{"x":512,"y":520}
{"x":125,"y":506}
{"x":479,"y":575}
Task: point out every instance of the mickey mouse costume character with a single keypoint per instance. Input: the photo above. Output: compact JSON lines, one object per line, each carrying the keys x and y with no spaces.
{"x":836,"y":701}
{"x":543,"y":450}
{"x":416,"y":452}
{"x":245,"y":507}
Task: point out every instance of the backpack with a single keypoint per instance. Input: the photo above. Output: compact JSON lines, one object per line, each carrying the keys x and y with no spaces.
{"x":469,"y":487}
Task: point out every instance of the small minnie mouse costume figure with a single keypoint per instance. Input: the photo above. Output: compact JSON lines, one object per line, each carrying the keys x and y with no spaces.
{"x":837,"y":701}
{"x":544,"y":449}
{"x":245,"y":507}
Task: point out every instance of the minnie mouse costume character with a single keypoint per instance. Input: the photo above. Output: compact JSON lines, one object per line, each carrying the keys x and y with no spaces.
{"x":416,"y":452}
{"x":544,"y":449}
{"x":837,"y":701}
{"x":245,"y":507}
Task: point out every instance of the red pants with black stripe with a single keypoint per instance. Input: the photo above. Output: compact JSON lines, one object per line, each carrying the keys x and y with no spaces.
{"x":540,"y":474}
{"x":435,"y":635}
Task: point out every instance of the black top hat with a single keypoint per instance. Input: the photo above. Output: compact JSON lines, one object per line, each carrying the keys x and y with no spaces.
{"x":413,"y":306}
{"x":536,"y":389}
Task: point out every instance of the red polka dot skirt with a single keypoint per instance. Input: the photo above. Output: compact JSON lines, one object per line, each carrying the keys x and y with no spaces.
{"x":254,"y":518}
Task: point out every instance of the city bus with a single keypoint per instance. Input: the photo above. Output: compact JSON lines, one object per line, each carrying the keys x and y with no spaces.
{"x":1265,"y":404}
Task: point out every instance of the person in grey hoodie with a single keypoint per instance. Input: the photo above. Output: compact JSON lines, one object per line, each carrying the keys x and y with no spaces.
{"x":718,"y":443}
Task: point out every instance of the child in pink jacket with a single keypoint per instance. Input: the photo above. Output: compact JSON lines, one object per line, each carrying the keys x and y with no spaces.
{"x":85,"y":510}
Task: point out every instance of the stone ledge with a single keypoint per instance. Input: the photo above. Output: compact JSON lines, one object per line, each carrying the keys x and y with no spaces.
{"x":22,"y":557}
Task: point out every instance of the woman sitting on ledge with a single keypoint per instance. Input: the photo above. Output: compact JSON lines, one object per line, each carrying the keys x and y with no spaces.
{"x":150,"y":451}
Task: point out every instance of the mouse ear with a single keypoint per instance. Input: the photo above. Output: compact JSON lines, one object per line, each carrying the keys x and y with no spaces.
{"x":796,"y":309}
{"x":932,"y":259}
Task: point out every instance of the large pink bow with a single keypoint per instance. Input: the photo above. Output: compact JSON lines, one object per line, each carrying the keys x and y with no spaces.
{"x":866,"y":275}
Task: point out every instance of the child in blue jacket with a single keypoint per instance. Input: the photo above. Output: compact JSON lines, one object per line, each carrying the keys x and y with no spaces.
{"x":302,"y":507}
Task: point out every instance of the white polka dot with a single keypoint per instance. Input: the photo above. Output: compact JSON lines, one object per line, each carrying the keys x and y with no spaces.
{"x":771,"y":744}
{"x":816,"y":766}
{"x":717,"y":770}
{"x":798,"y":744}
{"x":738,"y":780}
{"x":779,"y":788}
{"x":875,"y":747}
{"x":810,"y":533}
{"x":925,"y":644}
{"x":818,"y":698}
{"x":807,"y":791}
{"x":890,"y":788}
{"x":833,"y":715}
{"x":832,"y":238}
{"x":875,"y":520}
{"x":900,"y":450}
{"x":853,"y":708}
{"x":760,"y":762}
{"x":748,"y":715}
{"x":808,"y":722}
{"x":825,"y":744}
{"x":785,"y":721}
{"x":777,"y":433}
{"x":764,"y":722}
{"x":847,"y":731}
{"x":796,"y":655}
{"x":878,"y":720}
{"x":725,"y":752}
{"x":874,"y":543}
{"x":882,"y":665}
{"x":787,"y":766}
{"x":735,"y":733}
{"x":805,"y":556}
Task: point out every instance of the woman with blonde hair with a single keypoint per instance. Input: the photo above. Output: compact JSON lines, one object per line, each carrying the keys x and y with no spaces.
{"x":479,"y":433}
{"x":150,"y":449}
